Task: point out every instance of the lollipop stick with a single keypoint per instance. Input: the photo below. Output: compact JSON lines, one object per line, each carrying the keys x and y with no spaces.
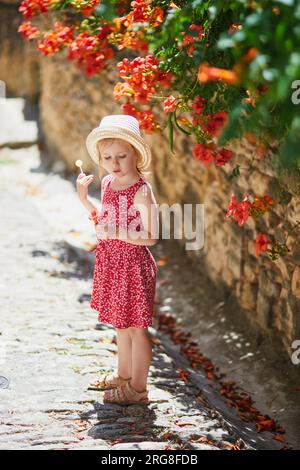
{"x":78,"y":163}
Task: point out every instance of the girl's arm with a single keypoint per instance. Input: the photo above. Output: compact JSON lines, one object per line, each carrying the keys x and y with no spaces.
{"x":88,"y":204}
{"x":82,"y":184}
{"x":145,"y":202}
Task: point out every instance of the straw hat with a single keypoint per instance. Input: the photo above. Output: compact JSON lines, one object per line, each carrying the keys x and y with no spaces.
{"x":120,"y":126}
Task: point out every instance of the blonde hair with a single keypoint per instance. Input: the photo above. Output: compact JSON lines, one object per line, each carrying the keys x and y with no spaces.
{"x":103,"y":143}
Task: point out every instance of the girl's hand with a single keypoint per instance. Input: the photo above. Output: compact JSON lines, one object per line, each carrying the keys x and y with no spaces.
{"x":82,"y":184}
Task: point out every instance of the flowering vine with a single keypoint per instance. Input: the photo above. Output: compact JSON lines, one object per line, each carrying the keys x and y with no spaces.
{"x":211,"y":67}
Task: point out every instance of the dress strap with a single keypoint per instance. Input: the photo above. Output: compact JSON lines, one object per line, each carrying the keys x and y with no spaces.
{"x":146,"y":184}
{"x":130,"y":189}
{"x":106,"y":181}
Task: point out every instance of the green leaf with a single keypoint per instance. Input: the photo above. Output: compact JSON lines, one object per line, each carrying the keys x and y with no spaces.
{"x":233,"y":128}
{"x":178,"y":125}
{"x":235,"y":173}
{"x":106,"y":10}
{"x":171,"y":132}
{"x":289,"y":153}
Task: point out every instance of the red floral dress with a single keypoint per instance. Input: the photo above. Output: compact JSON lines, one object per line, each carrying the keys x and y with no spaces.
{"x":124,"y":279}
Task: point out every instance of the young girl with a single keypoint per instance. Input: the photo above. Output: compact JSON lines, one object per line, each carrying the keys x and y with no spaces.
{"x":125,"y":271}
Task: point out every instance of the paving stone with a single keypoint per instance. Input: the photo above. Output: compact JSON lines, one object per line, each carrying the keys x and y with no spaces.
{"x":141,"y":446}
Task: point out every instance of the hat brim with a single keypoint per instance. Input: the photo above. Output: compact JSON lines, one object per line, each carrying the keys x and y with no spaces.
{"x":137,"y":141}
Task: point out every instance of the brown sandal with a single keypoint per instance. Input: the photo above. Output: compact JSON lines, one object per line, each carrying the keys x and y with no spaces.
{"x":126,"y":395}
{"x":108,"y":382}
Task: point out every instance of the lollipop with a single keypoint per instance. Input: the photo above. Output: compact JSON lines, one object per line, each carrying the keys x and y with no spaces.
{"x":79,"y":164}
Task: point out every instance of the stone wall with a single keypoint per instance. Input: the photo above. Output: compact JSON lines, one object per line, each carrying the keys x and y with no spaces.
{"x":268,"y":291}
{"x":19,"y":60}
{"x":71,"y":105}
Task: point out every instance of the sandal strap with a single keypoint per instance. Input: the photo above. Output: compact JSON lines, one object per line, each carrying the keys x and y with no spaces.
{"x":126,"y":389}
{"x":116,"y":380}
{"x":101,"y":382}
{"x":126,"y":394}
{"x":134,"y":393}
{"x":131,"y":394}
{"x":105,"y":382}
{"x":120,"y":393}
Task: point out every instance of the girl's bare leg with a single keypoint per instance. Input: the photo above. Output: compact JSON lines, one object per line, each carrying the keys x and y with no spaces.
{"x":141,"y":357}
{"x":124,"y":352}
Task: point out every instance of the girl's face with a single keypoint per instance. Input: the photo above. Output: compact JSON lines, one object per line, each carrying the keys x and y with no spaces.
{"x":117,"y":157}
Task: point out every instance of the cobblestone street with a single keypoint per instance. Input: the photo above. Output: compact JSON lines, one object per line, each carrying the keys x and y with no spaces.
{"x":52,"y":345}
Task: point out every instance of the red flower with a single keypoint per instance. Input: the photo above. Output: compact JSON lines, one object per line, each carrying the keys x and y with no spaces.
{"x":239,"y":211}
{"x":131,"y":40}
{"x":30,"y":8}
{"x":53,"y":41}
{"x":88,"y":9}
{"x":232,"y":28}
{"x":198,"y":28}
{"x":157,"y":16}
{"x":260,"y":205}
{"x":268,"y":200}
{"x":261,"y":244}
{"x":141,"y":12}
{"x":90,"y":52}
{"x":170,"y":104}
{"x":198,"y":104}
{"x":189,"y":40}
{"x":148,"y":123}
{"x":128,"y":108}
{"x":203,"y":153}
{"x":104,"y":31}
{"x":142,"y":77}
{"x":250,"y":55}
{"x":215,"y":122}
{"x":146,"y":118}
{"x":207,"y":73}
{"x":223,"y":157}
{"x":28,"y":31}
